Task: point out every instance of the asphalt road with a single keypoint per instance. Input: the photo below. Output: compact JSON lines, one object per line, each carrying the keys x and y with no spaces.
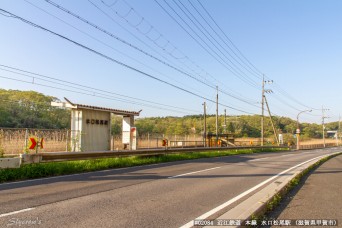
{"x":161,"y":195}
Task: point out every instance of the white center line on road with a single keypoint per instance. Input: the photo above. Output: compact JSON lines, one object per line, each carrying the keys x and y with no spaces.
{"x":259,"y":159}
{"x":236,"y":198}
{"x":193,"y":172}
{"x":16,"y":212}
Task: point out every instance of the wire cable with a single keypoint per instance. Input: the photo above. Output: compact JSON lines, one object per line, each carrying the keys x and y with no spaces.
{"x":92,"y":90}
{"x":114,"y":60}
{"x":213,"y":40}
{"x":228,"y":38}
{"x":151,"y":27}
{"x":140,"y":50}
{"x":225,"y":65}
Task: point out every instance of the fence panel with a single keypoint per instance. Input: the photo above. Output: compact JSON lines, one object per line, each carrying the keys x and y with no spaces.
{"x":15,"y":140}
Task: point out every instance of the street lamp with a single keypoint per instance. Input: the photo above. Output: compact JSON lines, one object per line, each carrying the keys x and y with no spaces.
{"x":298,"y":129}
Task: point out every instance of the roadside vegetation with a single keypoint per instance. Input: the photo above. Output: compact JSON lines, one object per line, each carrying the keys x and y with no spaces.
{"x":62,"y":168}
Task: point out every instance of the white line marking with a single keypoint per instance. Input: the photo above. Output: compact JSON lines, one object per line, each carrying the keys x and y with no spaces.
{"x":16,"y":212}
{"x":236,"y":198}
{"x":259,"y":159}
{"x":194,"y":172}
{"x":287,"y":155}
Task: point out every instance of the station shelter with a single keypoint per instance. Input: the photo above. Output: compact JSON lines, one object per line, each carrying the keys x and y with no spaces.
{"x":91,"y":127}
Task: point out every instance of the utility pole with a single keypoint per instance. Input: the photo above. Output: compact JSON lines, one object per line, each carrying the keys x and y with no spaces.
{"x":262,"y":110}
{"x":263,"y":91}
{"x":216,"y":115}
{"x":225,"y":121}
{"x":323,"y":127}
{"x":339,"y":129}
{"x":274,"y":130}
{"x":205,"y":124}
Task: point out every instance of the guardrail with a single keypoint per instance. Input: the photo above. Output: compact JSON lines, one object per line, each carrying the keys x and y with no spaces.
{"x":69,"y":156}
{"x":10,"y":163}
{"x":185,"y":143}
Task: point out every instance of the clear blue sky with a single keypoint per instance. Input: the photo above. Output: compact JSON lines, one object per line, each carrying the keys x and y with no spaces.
{"x":297,"y":44}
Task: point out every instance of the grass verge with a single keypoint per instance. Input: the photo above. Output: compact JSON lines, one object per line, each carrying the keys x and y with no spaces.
{"x":277,"y":199}
{"x":69,"y":167}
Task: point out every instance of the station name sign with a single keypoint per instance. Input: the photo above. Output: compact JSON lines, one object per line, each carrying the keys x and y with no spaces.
{"x":98,"y":122}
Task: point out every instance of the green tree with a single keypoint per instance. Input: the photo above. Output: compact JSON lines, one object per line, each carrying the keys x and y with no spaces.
{"x":30,"y":109}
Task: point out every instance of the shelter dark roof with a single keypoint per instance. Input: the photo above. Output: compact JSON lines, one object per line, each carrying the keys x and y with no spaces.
{"x":115,"y":111}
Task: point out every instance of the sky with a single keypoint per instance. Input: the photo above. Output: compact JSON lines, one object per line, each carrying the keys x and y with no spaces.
{"x":168,"y":57}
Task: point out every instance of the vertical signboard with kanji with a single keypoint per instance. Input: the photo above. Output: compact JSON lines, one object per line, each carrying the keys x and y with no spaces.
{"x":133,"y":138}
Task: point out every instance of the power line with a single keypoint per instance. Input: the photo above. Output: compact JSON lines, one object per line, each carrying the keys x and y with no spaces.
{"x":228,"y":38}
{"x":105,"y":44}
{"x":152,"y":28}
{"x":91,"y":94}
{"x":202,"y":30}
{"x":120,"y":39}
{"x":111,"y":18}
{"x":243,"y":64}
{"x":227,"y":66}
{"x":224,"y":63}
{"x":139,"y":49}
{"x":93,"y":91}
{"x":287,"y":95}
{"x":149,"y":30}
{"x":114,"y":60}
{"x":283,"y":92}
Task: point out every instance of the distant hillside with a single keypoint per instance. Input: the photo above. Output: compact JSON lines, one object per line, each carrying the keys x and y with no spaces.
{"x":242,"y":126}
{"x":29,"y":109}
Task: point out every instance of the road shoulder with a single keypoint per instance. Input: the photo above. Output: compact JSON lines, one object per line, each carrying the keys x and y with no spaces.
{"x":316,"y":197}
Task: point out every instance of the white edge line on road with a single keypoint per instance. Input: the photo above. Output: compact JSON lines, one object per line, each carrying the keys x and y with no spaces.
{"x":193,"y":172}
{"x":236,"y":198}
{"x":16,"y":212}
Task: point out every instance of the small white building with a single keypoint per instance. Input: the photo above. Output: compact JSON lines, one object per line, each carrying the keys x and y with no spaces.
{"x":91,"y":126}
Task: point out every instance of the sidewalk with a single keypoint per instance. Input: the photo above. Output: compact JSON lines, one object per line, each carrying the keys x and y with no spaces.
{"x":317,"y":197}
